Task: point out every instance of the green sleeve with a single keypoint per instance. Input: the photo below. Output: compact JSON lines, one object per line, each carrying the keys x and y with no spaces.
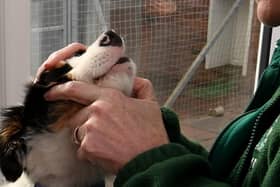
{"x":172,"y":127}
{"x":272,"y":176}
{"x":179,"y":163}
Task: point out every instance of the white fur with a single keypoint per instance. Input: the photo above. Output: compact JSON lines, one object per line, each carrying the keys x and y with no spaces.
{"x":59,"y":165}
{"x":59,"y":161}
{"x":23,"y":181}
{"x":120,"y":77}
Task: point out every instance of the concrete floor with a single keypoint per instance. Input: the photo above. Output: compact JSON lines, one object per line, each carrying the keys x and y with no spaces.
{"x":205,"y":129}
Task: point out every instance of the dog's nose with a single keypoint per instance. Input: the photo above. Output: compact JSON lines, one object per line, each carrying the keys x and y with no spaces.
{"x":115,"y":39}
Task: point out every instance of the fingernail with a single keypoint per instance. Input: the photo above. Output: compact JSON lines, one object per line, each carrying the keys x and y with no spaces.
{"x":35,"y":80}
{"x":46,"y":65}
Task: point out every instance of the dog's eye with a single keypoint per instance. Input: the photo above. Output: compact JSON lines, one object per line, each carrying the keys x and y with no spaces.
{"x":105,"y":41}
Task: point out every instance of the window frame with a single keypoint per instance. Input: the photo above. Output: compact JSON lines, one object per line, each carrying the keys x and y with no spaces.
{"x":2,"y":57}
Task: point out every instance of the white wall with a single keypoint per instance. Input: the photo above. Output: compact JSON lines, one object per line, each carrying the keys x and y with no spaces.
{"x":2,"y":57}
{"x":233,"y":45}
{"x":217,"y":11}
{"x":14,"y":49}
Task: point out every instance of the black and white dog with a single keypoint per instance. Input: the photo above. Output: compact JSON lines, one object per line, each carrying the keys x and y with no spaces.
{"x":35,"y":138}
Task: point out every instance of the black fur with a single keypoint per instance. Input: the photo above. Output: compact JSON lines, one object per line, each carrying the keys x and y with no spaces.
{"x":12,"y":148}
{"x":79,"y":53}
{"x":11,"y":159}
{"x":55,"y":75}
{"x":115,"y":40}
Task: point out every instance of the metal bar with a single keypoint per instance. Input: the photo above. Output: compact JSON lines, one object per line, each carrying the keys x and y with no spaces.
{"x":100,"y":15}
{"x":45,"y":29}
{"x":263,"y":52}
{"x":265,"y":49}
{"x":199,"y":59}
{"x":248,"y":34}
{"x":68,"y":22}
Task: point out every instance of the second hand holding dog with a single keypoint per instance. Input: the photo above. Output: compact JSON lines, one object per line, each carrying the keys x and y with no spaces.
{"x":114,"y":128}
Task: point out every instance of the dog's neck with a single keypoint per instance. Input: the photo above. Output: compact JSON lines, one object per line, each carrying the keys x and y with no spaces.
{"x":61,"y":162}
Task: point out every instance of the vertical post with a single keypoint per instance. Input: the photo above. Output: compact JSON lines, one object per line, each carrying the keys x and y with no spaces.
{"x":263,"y":52}
{"x":248,"y":37}
{"x":2,"y":56}
{"x":17,"y":61}
{"x":67,"y":14}
{"x":101,"y":18}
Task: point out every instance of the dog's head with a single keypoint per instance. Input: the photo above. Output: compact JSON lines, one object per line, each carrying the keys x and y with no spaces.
{"x":103,"y":63}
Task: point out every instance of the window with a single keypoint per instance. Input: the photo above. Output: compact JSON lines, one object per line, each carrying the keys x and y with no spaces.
{"x":56,"y":23}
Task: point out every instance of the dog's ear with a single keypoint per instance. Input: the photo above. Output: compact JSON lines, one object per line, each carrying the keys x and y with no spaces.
{"x":12,"y":161}
{"x":12,"y":145}
{"x":55,"y":75}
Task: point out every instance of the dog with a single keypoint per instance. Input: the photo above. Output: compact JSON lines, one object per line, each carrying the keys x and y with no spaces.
{"x":35,"y":138}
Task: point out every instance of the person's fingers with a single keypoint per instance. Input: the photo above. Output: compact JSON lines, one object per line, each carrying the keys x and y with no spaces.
{"x":80,"y":118}
{"x":63,"y":54}
{"x":60,"y":55}
{"x":79,"y":92}
{"x":92,"y":150}
{"x":86,"y":132}
{"x":143,"y":89}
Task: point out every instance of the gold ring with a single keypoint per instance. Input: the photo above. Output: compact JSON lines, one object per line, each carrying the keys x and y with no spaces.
{"x":76,"y":138}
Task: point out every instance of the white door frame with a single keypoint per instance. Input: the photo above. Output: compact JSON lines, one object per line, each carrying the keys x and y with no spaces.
{"x":2,"y":57}
{"x":14,"y":50}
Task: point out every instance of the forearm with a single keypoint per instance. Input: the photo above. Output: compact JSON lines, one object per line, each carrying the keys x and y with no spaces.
{"x":181,"y":162}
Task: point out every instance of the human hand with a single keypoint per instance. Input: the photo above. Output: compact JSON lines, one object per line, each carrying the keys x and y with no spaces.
{"x":56,"y":57}
{"x":113,"y":128}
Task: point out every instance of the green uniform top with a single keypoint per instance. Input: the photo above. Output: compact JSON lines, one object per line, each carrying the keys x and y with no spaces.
{"x":247,"y":152}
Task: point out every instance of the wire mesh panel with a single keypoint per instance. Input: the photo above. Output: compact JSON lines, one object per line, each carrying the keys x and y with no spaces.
{"x":88,"y":19}
{"x":163,"y":37}
{"x":48,"y":29}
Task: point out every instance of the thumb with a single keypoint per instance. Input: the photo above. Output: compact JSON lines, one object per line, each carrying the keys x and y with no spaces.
{"x":143,"y":89}
{"x":79,"y":92}
{"x":56,"y":57}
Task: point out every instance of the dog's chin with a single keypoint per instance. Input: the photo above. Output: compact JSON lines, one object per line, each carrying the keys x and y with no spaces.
{"x":120,"y":77}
